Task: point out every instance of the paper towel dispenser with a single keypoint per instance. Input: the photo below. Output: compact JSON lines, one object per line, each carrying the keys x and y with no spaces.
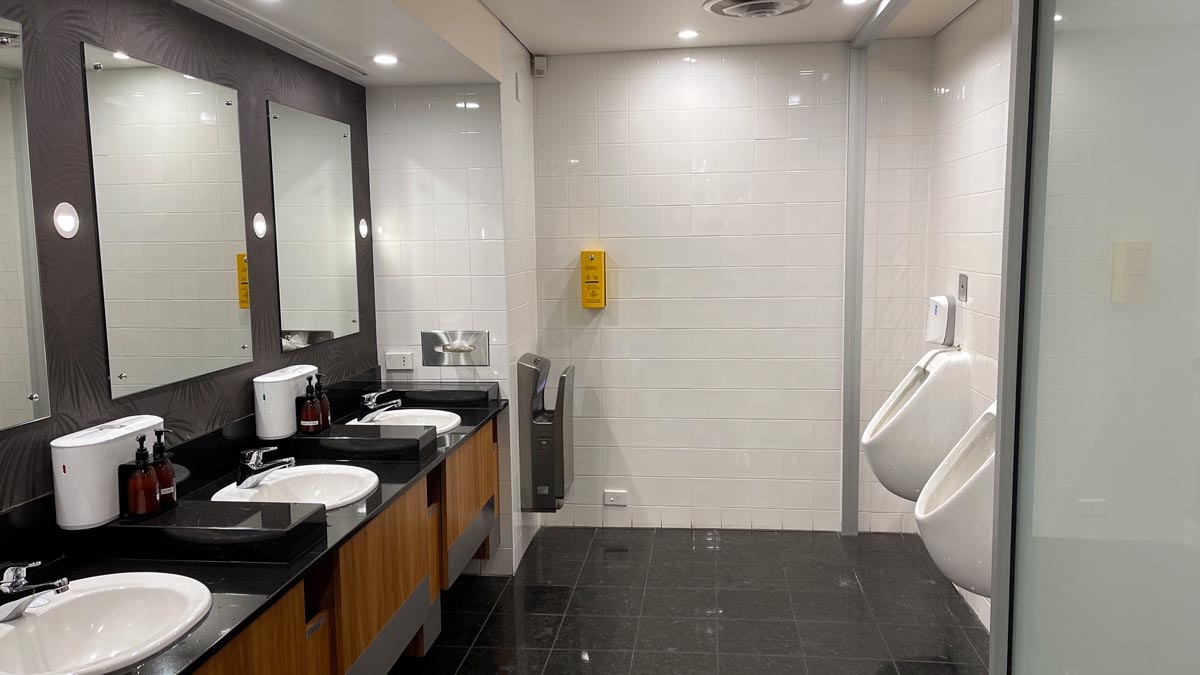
{"x":546,"y":436}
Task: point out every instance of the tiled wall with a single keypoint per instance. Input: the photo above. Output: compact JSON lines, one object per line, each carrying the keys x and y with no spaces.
{"x":938,"y":125}
{"x":966,"y":187}
{"x":15,"y":375}
{"x":520,"y":259}
{"x":896,"y":225}
{"x":709,"y":388}
{"x":169,"y":198}
{"x":453,"y":197}
{"x":314,"y":223}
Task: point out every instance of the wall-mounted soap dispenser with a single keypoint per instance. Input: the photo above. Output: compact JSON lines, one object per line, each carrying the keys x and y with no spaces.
{"x":546,"y":436}
{"x":85,"y":470}
{"x":275,"y":394}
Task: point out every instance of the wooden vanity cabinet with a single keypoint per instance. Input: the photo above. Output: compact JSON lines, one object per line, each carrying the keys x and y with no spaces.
{"x":469,"y":488}
{"x":360,"y":607}
{"x":376,"y":572}
{"x":273,"y":645}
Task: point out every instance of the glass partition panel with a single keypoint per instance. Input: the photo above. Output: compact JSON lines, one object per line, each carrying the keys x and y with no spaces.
{"x":1107,"y":539}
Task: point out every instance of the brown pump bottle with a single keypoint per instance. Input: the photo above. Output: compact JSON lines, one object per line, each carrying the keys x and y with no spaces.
{"x":141,"y":489}
{"x":310,"y":412}
{"x":164,"y":470}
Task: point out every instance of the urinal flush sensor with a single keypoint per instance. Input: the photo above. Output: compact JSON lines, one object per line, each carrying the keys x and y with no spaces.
{"x":939,"y":320}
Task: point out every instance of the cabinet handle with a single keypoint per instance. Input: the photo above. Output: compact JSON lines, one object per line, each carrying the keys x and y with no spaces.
{"x":34,"y":397}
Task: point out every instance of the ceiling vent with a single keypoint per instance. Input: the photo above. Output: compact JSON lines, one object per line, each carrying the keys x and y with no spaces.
{"x":754,"y":9}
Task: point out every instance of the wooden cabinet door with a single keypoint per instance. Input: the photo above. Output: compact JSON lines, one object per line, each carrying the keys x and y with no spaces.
{"x":376,"y":571}
{"x":272,"y":645}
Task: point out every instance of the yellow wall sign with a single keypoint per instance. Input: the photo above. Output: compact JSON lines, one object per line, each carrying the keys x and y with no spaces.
{"x":591,"y":276}
{"x":243,"y":276}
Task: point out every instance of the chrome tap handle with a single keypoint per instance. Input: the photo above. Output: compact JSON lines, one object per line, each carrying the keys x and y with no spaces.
{"x":254,"y":458}
{"x":370,"y":399}
{"x":15,"y":572}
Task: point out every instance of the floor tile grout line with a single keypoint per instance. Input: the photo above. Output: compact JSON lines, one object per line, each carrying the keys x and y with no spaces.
{"x":492,"y":611}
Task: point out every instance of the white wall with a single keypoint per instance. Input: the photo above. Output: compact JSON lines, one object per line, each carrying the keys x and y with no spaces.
{"x":937,"y":148}
{"x":315,"y":230}
{"x":896,"y":228}
{"x":169,"y":197}
{"x":709,"y":388}
{"x":452,"y":191}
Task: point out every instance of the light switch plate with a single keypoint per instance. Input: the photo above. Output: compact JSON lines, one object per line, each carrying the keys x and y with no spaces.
{"x":1131,"y":263}
{"x":616,"y":498}
{"x":398,"y":360}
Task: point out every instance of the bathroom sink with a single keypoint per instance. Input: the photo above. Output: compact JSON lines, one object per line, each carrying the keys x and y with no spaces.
{"x":102,"y":624}
{"x":416,"y":417}
{"x":334,"y":485}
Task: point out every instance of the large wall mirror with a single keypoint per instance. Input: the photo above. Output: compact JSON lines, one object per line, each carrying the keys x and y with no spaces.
{"x":314,"y":227}
{"x":172,"y":226}
{"x":23,"y":379}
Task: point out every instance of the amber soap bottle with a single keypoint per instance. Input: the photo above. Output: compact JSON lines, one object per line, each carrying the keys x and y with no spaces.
{"x":310,"y":412}
{"x":139,"y":484}
{"x":164,"y":470}
{"x":323,"y":402}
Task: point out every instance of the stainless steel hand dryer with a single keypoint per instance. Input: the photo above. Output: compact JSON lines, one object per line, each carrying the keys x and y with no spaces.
{"x":546,"y":436}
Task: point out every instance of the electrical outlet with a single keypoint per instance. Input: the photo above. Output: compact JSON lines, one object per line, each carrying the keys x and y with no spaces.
{"x":616,"y":498}
{"x":398,"y":360}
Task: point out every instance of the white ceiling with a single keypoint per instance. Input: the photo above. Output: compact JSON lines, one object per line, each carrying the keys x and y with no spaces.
{"x":352,"y":32}
{"x":922,"y":18}
{"x":582,"y":26}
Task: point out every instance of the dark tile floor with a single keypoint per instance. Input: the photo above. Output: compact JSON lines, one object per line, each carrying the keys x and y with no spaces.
{"x":643,"y":602}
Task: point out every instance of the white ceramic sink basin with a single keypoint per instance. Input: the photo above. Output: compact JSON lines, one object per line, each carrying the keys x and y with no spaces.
{"x":102,"y":624}
{"x":416,"y":417}
{"x":334,"y":485}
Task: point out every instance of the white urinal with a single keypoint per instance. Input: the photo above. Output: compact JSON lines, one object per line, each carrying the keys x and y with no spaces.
{"x":954,"y":513}
{"x":920,"y":422}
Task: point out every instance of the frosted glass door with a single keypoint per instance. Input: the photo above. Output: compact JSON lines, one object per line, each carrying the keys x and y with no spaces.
{"x":1107,"y":541}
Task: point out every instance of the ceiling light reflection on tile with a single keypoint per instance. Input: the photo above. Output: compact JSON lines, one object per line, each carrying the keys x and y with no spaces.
{"x":469,"y":105}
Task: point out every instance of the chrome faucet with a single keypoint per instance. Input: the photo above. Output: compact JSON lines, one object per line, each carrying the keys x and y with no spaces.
{"x":371,"y":406}
{"x":15,"y":583}
{"x":252,"y":469}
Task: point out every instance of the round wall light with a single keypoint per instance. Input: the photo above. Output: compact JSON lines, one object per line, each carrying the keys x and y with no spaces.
{"x":66,"y":220}
{"x":260,"y":225}
{"x":363,"y":228}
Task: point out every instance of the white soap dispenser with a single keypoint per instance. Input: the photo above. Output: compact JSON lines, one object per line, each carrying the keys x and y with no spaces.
{"x":86,"y":487}
{"x":939,"y":321}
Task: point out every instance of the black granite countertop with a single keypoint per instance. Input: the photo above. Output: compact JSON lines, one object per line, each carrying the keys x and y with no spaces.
{"x":242,"y":591}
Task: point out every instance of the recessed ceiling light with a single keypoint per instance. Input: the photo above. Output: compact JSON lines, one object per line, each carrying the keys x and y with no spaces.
{"x":1058,"y":17}
{"x":120,"y":56}
{"x":386,"y":59}
{"x":853,"y":2}
{"x":688,"y":33}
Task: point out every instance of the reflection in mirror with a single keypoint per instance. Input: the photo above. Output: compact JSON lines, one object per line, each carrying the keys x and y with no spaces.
{"x":172,"y":228}
{"x":314,"y":227}
{"x":23,"y":380}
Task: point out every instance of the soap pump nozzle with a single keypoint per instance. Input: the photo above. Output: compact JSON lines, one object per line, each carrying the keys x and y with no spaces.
{"x":143,"y":455}
{"x":160,"y":448}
